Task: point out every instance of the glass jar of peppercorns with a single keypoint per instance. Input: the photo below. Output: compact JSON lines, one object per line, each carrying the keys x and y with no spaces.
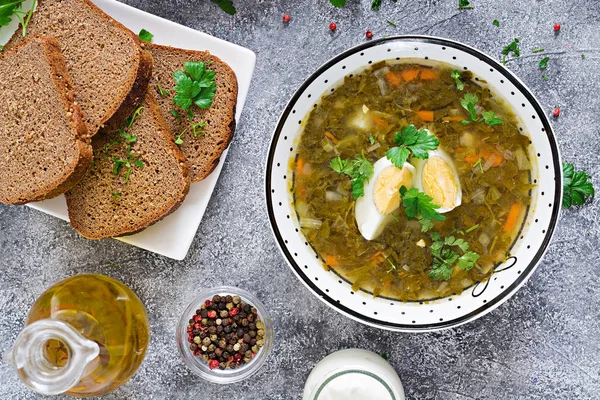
{"x":225,"y":335}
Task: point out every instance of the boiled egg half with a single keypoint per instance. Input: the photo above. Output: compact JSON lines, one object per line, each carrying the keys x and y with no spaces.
{"x":437,"y":177}
{"x":373,"y":211}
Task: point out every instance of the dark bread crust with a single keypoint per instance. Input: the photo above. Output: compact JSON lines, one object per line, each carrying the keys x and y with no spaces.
{"x":83,"y":139}
{"x":133,"y":91}
{"x":64,"y":86}
{"x":74,"y":197}
{"x":220,"y":134}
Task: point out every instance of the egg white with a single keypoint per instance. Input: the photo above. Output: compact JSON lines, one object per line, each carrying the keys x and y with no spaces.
{"x":369,"y":220}
{"x":418,"y":177}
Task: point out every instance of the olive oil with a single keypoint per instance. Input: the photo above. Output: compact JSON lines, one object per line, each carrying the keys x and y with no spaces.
{"x":110,"y":319}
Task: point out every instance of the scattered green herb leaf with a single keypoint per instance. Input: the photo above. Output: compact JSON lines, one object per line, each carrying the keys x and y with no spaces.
{"x":116,"y":195}
{"x":496,"y":22}
{"x":545,"y":77}
{"x":10,"y":8}
{"x":145,"y":36}
{"x":129,"y":121}
{"x":426,"y":224}
{"x":338,"y":3}
{"x":163,"y":92}
{"x":583,"y":56}
{"x":513,"y":48}
{"x":359,"y":170}
{"x":544,"y":62}
{"x":538,"y":50}
{"x":226,"y":5}
{"x":411,"y":140}
{"x":384,"y":355}
{"x":371,"y":139}
{"x":457,"y":78}
{"x":468,"y":102}
{"x":178,"y":140}
{"x":392,"y":23}
{"x":464,"y":5}
{"x":479,"y":163}
{"x":176,"y":115}
{"x":375,"y":4}
{"x":576,"y":186}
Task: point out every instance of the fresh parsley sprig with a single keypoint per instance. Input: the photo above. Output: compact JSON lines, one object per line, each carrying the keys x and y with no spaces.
{"x":195,"y":85}
{"x":338,"y":3}
{"x":576,"y":186}
{"x":420,"y":206}
{"x":411,"y":140}
{"x":445,"y":256}
{"x":468,"y":102}
{"x":359,"y":170}
{"x":10,"y":8}
{"x":457,"y":78}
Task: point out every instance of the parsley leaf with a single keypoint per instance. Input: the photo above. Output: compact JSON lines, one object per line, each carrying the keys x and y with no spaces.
{"x":468,"y":260}
{"x":544,"y":62}
{"x":145,"y":36}
{"x":226,"y":5}
{"x":411,"y":140}
{"x":384,"y":355}
{"x":338,"y":3}
{"x":464,"y":5}
{"x":445,"y":257}
{"x":496,"y":22}
{"x":419,"y":205}
{"x":10,"y":8}
{"x":359,"y":170}
{"x":576,"y":187}
{"x":538,"y":50}
{"x":116,"y":195}
{"x":195,"y":85}
{"x":545,"y":77}
{"x":513,"y":48}
{"x":426,"y":224}
{"x":371,"y":139}
{"x":398,"y":156}
{"x":375,"y":4}
{"x":456,"y":76}
{"x":468,"y":103}
{"x":490,"y":118}
{"x":176,"y":115}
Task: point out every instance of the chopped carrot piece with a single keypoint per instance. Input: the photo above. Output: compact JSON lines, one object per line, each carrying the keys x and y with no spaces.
{"x":497,"y":158}
{"x":299,"y":166}
{"x":429,"y":74}
{"x":379,"y":121}
{"x":453,"y":119}
{"x":394,"y":79}
{"x":331,"y":260}
{"x":330,"y":136}
{"x":511,"y":220}
{"x":409,"y":74}
{"x":472,"y":159}
{"x":426,"y":115}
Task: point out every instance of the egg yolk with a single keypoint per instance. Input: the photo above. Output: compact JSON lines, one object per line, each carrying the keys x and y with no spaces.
{"x":386,"y":191}
{"x":439,"y":182}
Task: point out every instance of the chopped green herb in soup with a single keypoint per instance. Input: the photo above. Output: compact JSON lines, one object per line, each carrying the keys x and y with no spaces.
{"x":411,"y":181}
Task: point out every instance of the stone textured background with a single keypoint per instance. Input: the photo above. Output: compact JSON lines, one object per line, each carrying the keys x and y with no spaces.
{"x":542,"y":344}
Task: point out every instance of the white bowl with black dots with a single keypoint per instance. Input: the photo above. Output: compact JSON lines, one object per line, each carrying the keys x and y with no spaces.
{"x":475,"y":301}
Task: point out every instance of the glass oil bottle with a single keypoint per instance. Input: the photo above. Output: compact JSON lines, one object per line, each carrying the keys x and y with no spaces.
{"x":84,"y":336}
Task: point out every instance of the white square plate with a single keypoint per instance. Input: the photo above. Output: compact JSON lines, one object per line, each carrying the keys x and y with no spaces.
{"x":173,"y":236}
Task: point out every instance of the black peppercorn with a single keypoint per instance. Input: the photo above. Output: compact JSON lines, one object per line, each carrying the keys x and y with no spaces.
{"x":222,"y":343}
{"x":226,"y":355}
{"x":212,"y":329}
{"x":252,"y":342}
{"x":198,"y":311}
{"x":193,"y":347}
{"x":252,"y":326}
{"x":219,"y":329}
{"x":218,"y":352}
{"x":247,"y":338}
{"x":252,"y":334}
{"x":196,"y":332}
{"x":225,"y":322}
{"x":221,"y":306}
{"x":247,"y":308}
{"x":204,"y":313}
{"x":245,"y":322}
{"x":240,"y":333}
{"x":216,"y":298}
{"x":251,"y":318}
{"x":227,"y":329}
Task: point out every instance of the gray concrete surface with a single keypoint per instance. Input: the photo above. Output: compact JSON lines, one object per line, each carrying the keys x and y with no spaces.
{"x":542,"y":344}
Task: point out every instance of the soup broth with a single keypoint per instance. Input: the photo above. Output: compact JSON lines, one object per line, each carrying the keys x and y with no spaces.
{"x":489,"y":158}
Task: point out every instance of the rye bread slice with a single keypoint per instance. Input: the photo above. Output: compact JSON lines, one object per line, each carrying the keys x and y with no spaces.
{"x":109,"y":69}
{"x":203,"y":151}
{"x":44,"y":145}
{"x":106,"y":205}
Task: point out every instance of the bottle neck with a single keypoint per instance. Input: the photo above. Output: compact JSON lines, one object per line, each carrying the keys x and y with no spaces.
{"x":50,"y":356}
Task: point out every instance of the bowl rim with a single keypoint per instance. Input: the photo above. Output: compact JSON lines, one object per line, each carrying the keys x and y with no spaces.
{"x":527,"y":271}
